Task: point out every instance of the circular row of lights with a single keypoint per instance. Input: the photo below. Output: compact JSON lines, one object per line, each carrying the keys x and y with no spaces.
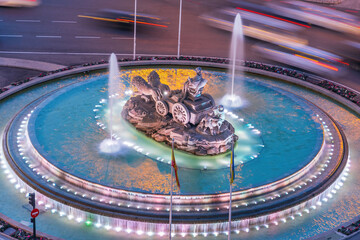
{"x":63,"y":187}
{"x":183,"y":234}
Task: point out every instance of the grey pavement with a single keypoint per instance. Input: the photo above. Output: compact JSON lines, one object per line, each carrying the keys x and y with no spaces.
{"x":29,"y":64}
{"x":9,"y":75}
{"x":16,"y":69}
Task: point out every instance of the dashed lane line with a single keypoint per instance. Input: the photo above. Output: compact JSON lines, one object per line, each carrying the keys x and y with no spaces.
{"x":39,"y":36}
{"x":33,"y":21}
{"x":64,"y":21}
{"x":13,"y":36}
{"x":87,"y":37}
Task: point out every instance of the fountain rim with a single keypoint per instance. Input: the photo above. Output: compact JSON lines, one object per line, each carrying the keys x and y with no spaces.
{"x":189,"y":63}
{"x":341,"y":133}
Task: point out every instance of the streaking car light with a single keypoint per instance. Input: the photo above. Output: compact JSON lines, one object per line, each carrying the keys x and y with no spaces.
{"x":123,"y":20}
{"x":99,"y":18}
{"x":318,"y":63}
{"x":267,"y":15}
{"x":328,"y":56}
{"x":342,"y":62}
{"x":146,"y":23}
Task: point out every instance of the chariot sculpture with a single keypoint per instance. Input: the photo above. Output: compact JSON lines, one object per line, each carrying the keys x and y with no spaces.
{"x":188,"y":109}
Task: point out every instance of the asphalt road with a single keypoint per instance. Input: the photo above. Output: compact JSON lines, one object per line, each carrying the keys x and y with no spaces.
{"x":55,"y":27}
{"x":55,"y":33}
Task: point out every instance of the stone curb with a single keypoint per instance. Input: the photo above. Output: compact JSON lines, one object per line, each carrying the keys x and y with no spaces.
{"x":6,"y":236}
{"x":86,"y":69}
{"x":325,"y":1}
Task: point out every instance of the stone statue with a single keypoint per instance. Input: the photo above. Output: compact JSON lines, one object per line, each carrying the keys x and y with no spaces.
{"x":212,"y":122}
{"x":193,"y":87}
{"x":187,"y":115}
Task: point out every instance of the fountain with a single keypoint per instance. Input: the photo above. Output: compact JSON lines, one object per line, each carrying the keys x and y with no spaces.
{"x":236,"y":54}
{"x":111,"y":145}
{"x":296,"y":163}
{"x":129,"y":192}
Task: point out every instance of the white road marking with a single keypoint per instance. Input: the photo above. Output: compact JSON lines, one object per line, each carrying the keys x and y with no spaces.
{"x":48,"y":36}
{"x":84,"y":53}
{"x":27,"y":20}
{"x":1,"y":20}
{"x":16,"y":36}
{"x":64,"y":21}
{"x":86,"y":37}
{"x":59,"y":53}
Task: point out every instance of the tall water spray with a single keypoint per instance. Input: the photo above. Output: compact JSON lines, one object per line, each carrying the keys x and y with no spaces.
{"x":112,"y":145}
{"x":236,"y":57}
{"x":113,"y":86}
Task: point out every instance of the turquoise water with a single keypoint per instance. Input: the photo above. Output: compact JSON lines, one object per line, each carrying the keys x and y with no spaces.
{"x":290,"y":135}
{"x":344,"y":206}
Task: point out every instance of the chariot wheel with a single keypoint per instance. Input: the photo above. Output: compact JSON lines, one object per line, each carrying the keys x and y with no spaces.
{"x":180,"y":113}
{"x":209,"y":97}
{"x":161,"y":108}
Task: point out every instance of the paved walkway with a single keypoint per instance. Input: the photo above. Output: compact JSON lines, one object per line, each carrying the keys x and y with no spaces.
{"x":29,"y":64}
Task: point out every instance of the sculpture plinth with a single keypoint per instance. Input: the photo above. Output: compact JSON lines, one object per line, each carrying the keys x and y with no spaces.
{"x":188,"y":116}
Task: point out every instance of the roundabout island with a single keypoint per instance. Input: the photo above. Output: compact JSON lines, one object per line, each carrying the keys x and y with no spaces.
{"x":291,"y":153}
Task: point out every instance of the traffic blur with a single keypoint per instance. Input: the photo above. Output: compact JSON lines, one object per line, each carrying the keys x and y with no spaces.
{"x":304,"y":58}
{"x":321,"y":16}
{"x":302,"y":35}
{"x":126,"y":19}
{"x":19,"y":3}
{"x":287,"y":33}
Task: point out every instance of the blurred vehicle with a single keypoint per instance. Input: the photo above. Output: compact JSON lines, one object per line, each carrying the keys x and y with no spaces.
{"x":256,"y":26}
{"x":19,"y":3}
{"x":261,"y":7}
{"x":303,"y":57}
{"x":126,"y":19}
{"x":311,"y":52}
{"x":318,"y":15}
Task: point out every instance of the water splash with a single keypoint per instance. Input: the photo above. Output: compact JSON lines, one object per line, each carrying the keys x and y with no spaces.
{"x":110,"y":146}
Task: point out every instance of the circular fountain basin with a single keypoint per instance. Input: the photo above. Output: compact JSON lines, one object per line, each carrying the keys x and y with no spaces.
{"x":66,"y":118}
{"x":278,"y":169}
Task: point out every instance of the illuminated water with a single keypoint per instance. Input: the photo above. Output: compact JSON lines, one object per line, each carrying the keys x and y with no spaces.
{"x":290,"y":139}
{"x":306,"y":226}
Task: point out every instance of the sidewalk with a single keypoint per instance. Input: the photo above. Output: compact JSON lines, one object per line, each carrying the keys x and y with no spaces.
{"x":29,"y":64}
{"x":15,"y":69}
